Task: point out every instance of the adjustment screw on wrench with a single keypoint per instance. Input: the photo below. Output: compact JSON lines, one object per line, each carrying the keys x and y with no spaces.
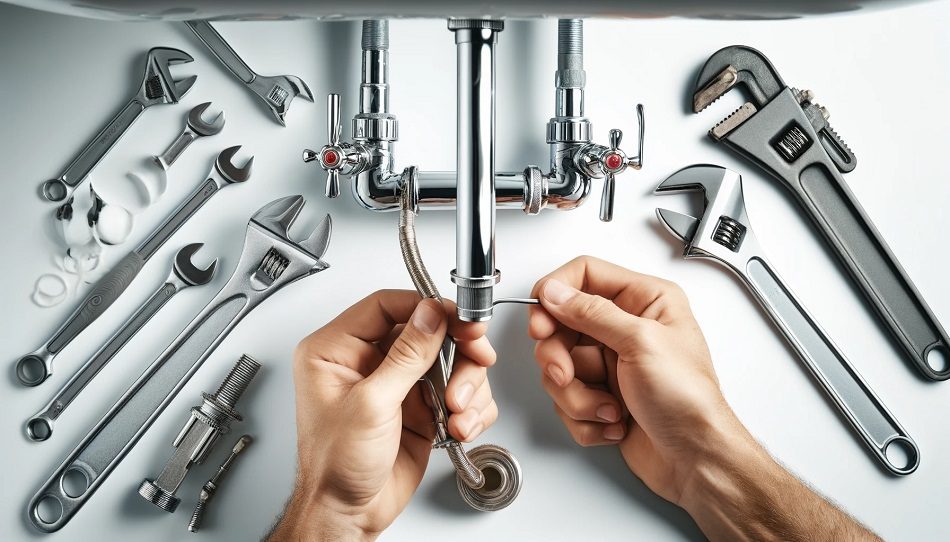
{"x":199,"y":435}
{"x":195,"y":127}
{"x":158,"y":87}
{"x":182,"y":275}
{"x":211,"y":486}
{"x":275,"y":91}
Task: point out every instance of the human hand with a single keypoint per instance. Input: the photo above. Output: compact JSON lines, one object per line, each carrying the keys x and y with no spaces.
{"x":364,"y":432}
{"x":626,"y":363}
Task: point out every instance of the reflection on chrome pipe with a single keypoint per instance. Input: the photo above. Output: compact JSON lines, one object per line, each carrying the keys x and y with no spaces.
{"x":475,"y":275}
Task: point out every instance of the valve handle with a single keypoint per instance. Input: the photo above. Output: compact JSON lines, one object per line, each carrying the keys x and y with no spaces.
{"x":333,"y":136}
{"x":615,"y":161}
{"x":607,"y":198}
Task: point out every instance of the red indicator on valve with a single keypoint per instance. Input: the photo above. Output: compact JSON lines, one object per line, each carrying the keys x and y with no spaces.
{"x":613,"y":161}
{"x":330,"y":157}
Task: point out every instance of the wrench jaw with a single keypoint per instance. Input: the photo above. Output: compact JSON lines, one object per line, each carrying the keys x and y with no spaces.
{"x":200,"y":126}
{"x":737,"y":65}
{"x":278,"y":91}
{"x":224,"y":166}
{"x":159,"y":86}
{"x":188,"y":272}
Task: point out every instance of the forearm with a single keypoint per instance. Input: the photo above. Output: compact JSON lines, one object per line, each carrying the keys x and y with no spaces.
{"x":739,"y":492}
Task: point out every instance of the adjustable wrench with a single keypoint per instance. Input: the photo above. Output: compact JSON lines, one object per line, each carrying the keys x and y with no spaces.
{"x":182,"y":275}
{"x":787,"y":134}
{"x":157,"y":87}
{"x":270,"y":260}
{"x":195,"y":127}
{"x":724,"y":234}
{"x":34,"y":368}
{"x":275,"y":91}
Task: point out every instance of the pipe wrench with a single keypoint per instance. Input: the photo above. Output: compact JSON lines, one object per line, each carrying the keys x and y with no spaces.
{"x":786,"y":133}
{"x":183,"y":274}
{"x":158,"y":87}
{"x":724,"y":234}
{"x":34,"y":368}
{"x":269,"y":261}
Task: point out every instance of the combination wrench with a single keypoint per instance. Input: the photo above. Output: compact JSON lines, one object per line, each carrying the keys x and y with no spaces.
{"x":725,"y":235}
{"x":182,"y":275}
{"x":786,"y":133}
{"x":34,"y":368}
{"x":158,"y":87}
{"x":275,"y":91}
{"x":269,"y":261}
{"x":195,"y":127}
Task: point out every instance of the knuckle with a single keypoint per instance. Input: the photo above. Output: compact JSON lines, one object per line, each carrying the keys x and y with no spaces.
{"x":592,"y":307}
{"x":406,"y":351}
{"x":586,"y":435}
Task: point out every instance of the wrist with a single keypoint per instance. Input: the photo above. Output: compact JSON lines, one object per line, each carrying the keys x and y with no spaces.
{"x":314,"y":518}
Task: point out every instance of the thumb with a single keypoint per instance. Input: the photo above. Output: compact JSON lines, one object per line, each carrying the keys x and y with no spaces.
{"x":592,"y":315}
{"x":411,"y":354}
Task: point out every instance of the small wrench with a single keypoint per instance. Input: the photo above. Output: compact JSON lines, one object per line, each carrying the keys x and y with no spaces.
{"x":787,"y":134}
{"x":275,"y":91}
{"x":183,"y":274}
{"x":157,"y":87}
{"x":195,"y":127}
{"x":270,"y":260}
{"x":34,"y":368}
{"x":724,"y":234}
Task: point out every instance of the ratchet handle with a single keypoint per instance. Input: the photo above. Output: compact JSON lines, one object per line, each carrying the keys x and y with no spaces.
{"x":58,"y":189}
{"x":843,"y":384}
{"x":210,"y":37}
{"x":40,"y":426}
{"x":821,"y":190}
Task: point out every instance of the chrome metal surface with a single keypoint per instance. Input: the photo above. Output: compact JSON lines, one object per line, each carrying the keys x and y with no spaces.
{"x":183,"y":274}
{"x":724,"y":234}
{"x":255,"y":278}
{"x":195,"y":127}
{"x":211,"y":486}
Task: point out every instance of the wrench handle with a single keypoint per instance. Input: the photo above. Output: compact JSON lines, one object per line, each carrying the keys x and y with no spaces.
{"x":843,"y":384}
{"x":821,"y":190}
{"x":210,"y":37}
{"x":190,"y":206}
{"x":40,"y":426}
{"x":167,"y":158}
{"x":60,"y":188}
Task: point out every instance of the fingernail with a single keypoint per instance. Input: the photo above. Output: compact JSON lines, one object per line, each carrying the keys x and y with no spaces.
{"x":426,"y":319}
{"x":464,"y":394}
{"x":556,"y":374}
{"x":557,"y":292}
{"x":608,"y":413}
{"x":613,"y":432}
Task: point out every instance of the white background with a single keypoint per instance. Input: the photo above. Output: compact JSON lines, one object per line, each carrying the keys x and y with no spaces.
{"x":884,"y":76}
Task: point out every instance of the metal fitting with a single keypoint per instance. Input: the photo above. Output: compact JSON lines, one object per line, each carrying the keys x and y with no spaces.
{"x":199,"y":434}
{"x":211,"y":486}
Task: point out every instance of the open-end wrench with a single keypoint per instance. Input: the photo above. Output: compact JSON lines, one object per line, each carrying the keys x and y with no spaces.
{"x":725,"y":235}
{"x":783,"y":131}
{"x":158,"y":87}
{"x":275,"y":91}
{"x":34,"y":368}
{"x":195,"y":127}
{"x":182,"y":275}
{"x":270,"y":260}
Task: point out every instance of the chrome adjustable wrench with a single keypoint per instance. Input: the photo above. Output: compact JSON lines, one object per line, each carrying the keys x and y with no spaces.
{"x":182,"y":275}
{"x":269,"y":261}
{"x":195,"y":127}
{"x":275,"y":91}
{"x":786,"y":133}
{"x":158,"y":87}
{"x":34,"y":368}
{"x":724,"y":234}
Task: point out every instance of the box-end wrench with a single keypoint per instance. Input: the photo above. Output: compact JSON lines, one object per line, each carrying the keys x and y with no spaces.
{"x":725,"y":235}
{"x":34,"y":368}
{"x":182,"y":275}
{"x":195,"y":127}
{"x":158,"y":87}
{"x":783,"y":131}
{"x":270,"y":260}
{"x":275,"y":91}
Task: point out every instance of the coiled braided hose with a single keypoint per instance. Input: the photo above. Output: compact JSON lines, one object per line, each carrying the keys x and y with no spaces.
{"x":503,"y":470}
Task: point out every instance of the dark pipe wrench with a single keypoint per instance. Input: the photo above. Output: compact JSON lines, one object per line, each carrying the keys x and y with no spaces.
{"x":783,"y":131}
